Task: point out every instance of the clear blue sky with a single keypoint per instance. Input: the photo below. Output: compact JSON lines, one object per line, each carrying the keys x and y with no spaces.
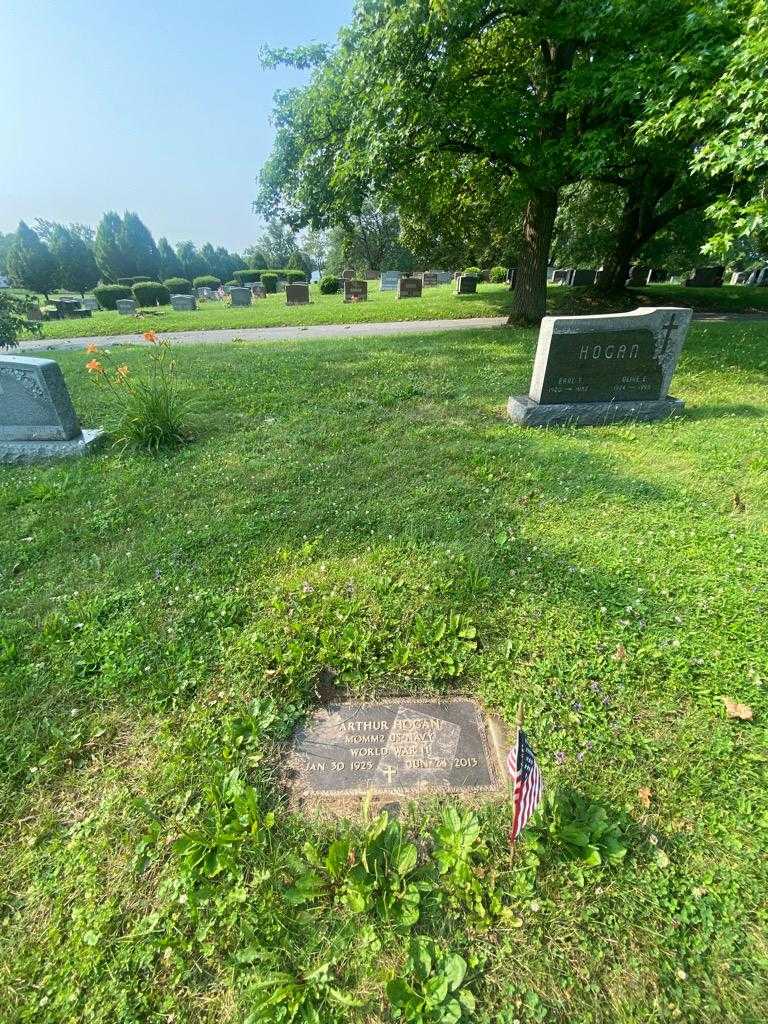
{"x":158,"y":107}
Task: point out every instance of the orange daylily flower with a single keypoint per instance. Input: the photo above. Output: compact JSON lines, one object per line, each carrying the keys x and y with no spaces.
{"x":122,"y":372}
{"x":91,"y":348}
{"x":94,"y":366}
{"x":150,"y":336}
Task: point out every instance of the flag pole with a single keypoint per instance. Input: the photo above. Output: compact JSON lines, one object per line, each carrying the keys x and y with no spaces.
{"x":518,"y":727}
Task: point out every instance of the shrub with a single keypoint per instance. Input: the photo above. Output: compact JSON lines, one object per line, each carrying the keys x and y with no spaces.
{"x":178,"y":286}
{"x":107,"y":294}
{"x":269,"y":280}
{"x":207,"y":281}
{"x":230,"y":284}
{"x":15,"y":319}
{"x":292,"y":276}
{"x":247,"y":276}
{"x":151,"y":410}
{"x":473,"y":272}
{"x":329,"y":284}
{"x":498,"y":275}
{"x":151,"y":293}
{"x":128,"y":282}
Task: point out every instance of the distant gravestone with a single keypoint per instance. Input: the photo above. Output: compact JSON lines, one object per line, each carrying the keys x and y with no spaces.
{"x":739,"y":277}
{"x":706,"y":277}
{"x":444,"y":277}
{"x":297,"y":294}
{"x":580,"y":278}
{"x":759,"y":278}
{"x":89,"y":302}
{"x":550,"y":274}
{"x":183,"y":303}
{"x":591,"y":370}
{"x":429,"y":279}
{"x":347,"y":275}
{"x":37,"y":420}
{"x":657,"y":276}
{"x":398,"y":748}
{"x":388,"y":281}
{"x":466,"y":284}
{"x":512,"y":277}
{"x":126,"y":307}
{"x":355,"y":291}
{"x":258,"y":291}
{"x":638,"y":276}
{"x":409,"y":288}
{"x":372,"y":275}
{"x":204,"y":292}
{"x":240,"y":296}
{"x":560,"y":276}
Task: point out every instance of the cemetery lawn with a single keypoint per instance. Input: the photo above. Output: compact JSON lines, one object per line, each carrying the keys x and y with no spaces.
{"x":435,"y":304}
{"x":358,"y":517}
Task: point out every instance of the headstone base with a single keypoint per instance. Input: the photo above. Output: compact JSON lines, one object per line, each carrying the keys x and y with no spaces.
{"x":528,"y":413}
{"x":24,"y":453}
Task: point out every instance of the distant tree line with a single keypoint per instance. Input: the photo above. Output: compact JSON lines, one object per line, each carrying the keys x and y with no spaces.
{"x":52,"y":256}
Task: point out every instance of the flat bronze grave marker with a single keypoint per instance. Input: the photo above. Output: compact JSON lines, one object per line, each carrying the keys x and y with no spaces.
{"x":405,"y":747}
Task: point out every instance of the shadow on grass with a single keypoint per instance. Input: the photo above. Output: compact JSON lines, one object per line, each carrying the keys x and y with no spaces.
{"x":725,"y":410}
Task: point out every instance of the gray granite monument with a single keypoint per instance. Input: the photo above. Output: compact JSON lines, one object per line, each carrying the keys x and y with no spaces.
{"x":37,"y":420}
{"x":388,"y":281}
{"x":429,"y":279}
{"x":297,"y":294}
{"x":89,"y":302}
{"x":125,"y":307}
{"x":592,"y":370}
{"x":399,"y":748}
{"x":258,"y":291}
{"x":240,"y":296}
{"x":409,"y":288}
{"x":183,"y":303}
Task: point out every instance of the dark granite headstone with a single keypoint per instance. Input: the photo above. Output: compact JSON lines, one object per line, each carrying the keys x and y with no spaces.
{"x":638,"y":276}
{"x":429,"y":279}
{"x":658,"y":275}
{"x":599,"y":369}
{"x":409,"y":288}
{"x":355,"y":291}
{"x":466,"y":284}
{"x":560,"y":276}
{"x":511,"y":277}
{"x":706,"y":277}
{"x":297,"y":294}
{"x":759,"y":277}
{"x":240,"y":296}
{"x":407,"y":747}
{"x":579,"y":278}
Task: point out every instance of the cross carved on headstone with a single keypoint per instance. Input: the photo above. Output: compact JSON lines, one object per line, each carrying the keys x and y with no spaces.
{"x":389,"y":771}
{"x":668,"y":328}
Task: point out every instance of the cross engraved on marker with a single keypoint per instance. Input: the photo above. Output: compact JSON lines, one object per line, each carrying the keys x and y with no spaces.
{"x":669,"y":327}
{"x":389,"y":771}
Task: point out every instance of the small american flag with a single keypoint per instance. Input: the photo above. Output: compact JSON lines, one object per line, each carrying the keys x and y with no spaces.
{"x":527,"y":783}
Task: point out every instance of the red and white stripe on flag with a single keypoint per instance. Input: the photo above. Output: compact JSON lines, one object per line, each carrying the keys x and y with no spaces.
{"x":526,"y":781}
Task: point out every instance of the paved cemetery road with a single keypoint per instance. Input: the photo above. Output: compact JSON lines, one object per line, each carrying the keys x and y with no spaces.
{"x":221,"y":337}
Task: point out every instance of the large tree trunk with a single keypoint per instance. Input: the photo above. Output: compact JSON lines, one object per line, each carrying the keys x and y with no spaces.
{"x":530,"y":297}
{"x":628,"y":240}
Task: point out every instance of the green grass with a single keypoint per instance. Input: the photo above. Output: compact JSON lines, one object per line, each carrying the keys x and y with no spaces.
{"x":436,"y":303}
{"x":359,"y":517}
